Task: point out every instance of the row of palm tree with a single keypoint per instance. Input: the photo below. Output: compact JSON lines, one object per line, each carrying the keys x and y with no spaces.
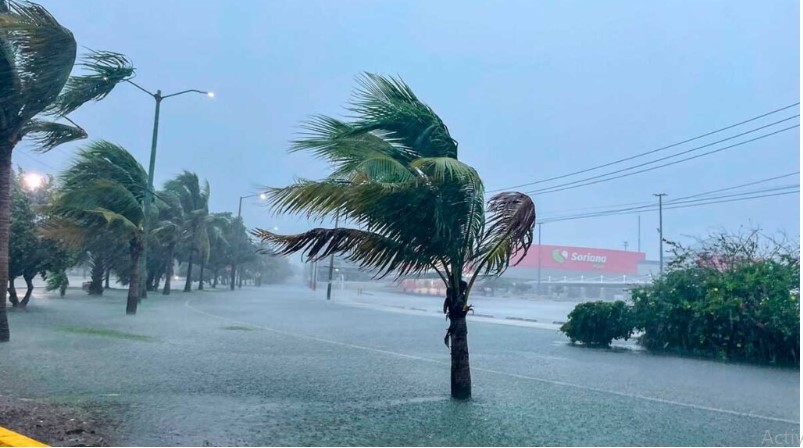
{"x":98,"y":209}
{"x":37,"y":93}
{"x":413,"y":207}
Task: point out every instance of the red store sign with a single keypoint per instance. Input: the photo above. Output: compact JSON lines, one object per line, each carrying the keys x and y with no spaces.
{"x":583,"y":259}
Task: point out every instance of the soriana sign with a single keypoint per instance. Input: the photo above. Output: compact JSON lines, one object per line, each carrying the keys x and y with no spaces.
{"x":584,"y":259}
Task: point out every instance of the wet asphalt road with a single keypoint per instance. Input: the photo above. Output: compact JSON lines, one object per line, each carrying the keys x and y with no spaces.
{"x":281,"y":366}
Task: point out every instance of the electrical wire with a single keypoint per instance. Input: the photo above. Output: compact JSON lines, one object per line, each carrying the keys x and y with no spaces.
{"x":650,"y":151}
{"x":571,"y":185}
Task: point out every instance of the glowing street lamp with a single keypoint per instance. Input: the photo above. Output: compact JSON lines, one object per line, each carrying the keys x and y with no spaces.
{"x":33,"y":181}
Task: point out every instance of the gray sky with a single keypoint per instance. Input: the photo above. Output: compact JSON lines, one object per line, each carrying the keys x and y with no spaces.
{"x":530,"y":89}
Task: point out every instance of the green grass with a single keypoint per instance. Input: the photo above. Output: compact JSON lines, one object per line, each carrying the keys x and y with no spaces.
{"x":238,"y":328}
{"x":105,"y":332}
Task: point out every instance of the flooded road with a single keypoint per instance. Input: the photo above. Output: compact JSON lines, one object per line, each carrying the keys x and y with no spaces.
{"x":280,"y":366}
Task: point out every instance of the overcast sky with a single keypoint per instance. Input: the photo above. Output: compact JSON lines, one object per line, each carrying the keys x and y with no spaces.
{"x":530,"y":89}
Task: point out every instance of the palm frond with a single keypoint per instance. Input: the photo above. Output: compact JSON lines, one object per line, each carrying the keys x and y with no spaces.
{"x":366,"y":249}
{"x":36,"y":59}
{"x":510,"y":231}
{"x":445,"y":170}
{"x":65,"y":231}
{"x":48,"y":134}
{"x":104,"y":70}
{"x":388,"y":105}
{"x":106,"y":160}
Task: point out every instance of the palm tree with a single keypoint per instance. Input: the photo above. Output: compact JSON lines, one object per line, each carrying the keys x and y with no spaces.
{"x":217,"y":225}
{"x":167,"y":234}
{"x":194,"y":199}
{"x":103,"y":190}
{"x":415,"y":207}
{"x":37,"y":57}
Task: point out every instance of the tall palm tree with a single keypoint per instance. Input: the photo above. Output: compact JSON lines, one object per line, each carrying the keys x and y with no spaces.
{"x":103,"y":190}
{"x":37,"y":55}
{"x":194,"y":199}
{"x":415,"y":207}
{"x":216,"y":227}
{"x":168,"y":233}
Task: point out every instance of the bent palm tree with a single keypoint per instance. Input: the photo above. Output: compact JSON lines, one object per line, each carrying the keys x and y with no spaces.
{"x":416,"y":207}
{"x":103,"y":190}
{"x":37,"y":55}
{"x":194,"y":199}
{"x":167,"y":234}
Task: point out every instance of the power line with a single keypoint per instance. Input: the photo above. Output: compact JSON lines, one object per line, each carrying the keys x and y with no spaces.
{"x":36,"y":160}
{"x":678,"y":201}
{"x":645,"y":203}
{"x":572,"y":186}
{"x":739,"y":186}
{"x":649,"y":152}
{"x":695,"y":203}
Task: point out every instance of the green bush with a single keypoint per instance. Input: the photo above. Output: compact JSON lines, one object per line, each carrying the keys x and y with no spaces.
{"x":733,"y":298}
{"x":599,"y":323}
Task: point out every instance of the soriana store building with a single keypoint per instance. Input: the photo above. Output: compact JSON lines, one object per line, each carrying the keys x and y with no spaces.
{"x":567,"y":272}
{"x":573,"y":261}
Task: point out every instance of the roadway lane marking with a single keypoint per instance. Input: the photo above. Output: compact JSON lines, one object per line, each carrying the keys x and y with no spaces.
{"x":497,"y":372}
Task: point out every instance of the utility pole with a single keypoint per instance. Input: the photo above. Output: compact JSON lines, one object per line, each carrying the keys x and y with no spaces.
{"x":639,"y":233}
{"x":625,"y":244}
{"x":538,"y":288}
{"x":331,"y":265}
{"x":661,"y":228}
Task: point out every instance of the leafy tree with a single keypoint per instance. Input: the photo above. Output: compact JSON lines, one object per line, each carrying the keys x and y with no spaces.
{"x":24,"y":245}
{"x":37,"y":57}
{"x":194,"y":199}
{"x":29,"y":253}
{"x":414,"y":206}
{"x":732,"y":296}
{"x":104,"y":191}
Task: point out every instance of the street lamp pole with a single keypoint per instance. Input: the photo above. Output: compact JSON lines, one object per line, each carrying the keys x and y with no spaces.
{"x":331,"y":265}
{"x":158,"y":97}
{"x":239,"y":218}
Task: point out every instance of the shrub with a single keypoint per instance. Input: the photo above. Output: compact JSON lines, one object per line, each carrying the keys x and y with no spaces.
{"x":731,"y":298}
{"x":599,"y":323}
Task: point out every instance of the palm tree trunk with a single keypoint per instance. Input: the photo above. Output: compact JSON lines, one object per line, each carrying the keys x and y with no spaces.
{"x":12,"y":293}
{"x":461,"y":372}
{"x":149,"y":281}
{"x":458,"y":337}
{"x":201,"y":273}
{"x":29,"y":284}
{"x":169,"y":271}
{"x":135,"y":249}
{"x":96,"y":277}
{"x":5,"y":219}
{"x":233,"y":273}
{"x":188,"y":283}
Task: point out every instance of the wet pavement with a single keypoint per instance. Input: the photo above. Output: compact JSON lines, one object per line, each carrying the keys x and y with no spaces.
{"x":280,"y":365}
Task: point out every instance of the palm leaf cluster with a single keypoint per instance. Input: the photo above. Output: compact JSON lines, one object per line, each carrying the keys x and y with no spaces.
{"x":412,"y":205}
{"x":37,"y":57}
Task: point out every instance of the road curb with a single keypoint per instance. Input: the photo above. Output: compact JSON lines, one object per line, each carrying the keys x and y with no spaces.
{"x":11,"y":438}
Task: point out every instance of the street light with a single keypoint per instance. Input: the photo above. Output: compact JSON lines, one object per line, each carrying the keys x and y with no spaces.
{"x":33,"y":181}
{"x":158,"y":97}
{"x":262,"y":196}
